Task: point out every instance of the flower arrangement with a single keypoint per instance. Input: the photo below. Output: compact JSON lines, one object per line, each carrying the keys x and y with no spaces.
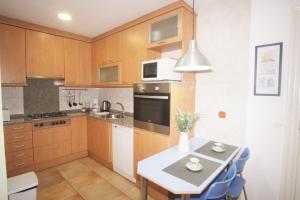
{"x":186,"y":121}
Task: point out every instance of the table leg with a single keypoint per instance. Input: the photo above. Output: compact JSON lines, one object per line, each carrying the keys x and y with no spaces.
{"x":185,"y":197}
{"x":144,"y":189}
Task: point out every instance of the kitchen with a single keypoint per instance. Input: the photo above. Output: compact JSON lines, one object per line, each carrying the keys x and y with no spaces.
{"x":58,"y":81}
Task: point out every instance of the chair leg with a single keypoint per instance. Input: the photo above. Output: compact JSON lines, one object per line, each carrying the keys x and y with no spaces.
{"x":244,"y":190}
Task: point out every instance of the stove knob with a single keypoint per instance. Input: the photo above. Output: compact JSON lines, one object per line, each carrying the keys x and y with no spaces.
{"x":57,"y":123}
{"x":36,"y":125}
{"x":41,"y":124}
{"x":52,"y":123}
{"x":63,"y":122}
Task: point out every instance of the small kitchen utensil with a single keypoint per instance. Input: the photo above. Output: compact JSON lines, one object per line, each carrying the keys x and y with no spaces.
{"x":79,"y":100}
{"x":74,"y":103}
{"x":69,"y":101}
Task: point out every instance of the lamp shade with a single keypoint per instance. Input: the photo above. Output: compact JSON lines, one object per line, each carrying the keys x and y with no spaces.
{"x":192,"y":60}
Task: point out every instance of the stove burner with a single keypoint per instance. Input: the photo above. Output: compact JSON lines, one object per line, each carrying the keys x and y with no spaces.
{"x":47,"y":115}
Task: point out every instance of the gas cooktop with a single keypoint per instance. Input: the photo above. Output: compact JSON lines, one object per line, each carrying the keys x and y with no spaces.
{"x":46,"y":115}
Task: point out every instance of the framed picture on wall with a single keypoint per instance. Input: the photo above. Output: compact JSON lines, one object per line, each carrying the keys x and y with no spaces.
{"x":268,"y":64}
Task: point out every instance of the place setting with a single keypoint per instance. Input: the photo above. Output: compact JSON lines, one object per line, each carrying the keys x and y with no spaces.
{"x":216,"y":150}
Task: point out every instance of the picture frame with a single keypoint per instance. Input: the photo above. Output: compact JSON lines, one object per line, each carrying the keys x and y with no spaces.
{"x":268,"y":67}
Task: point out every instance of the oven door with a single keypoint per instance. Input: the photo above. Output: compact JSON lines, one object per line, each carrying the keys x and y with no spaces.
{"x":152,"y":112}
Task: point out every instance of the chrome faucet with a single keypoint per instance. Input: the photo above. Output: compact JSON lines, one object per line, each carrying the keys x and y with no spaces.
{"x":122,"y":112}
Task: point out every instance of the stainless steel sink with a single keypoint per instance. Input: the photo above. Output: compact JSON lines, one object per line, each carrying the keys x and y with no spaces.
{"x":115,"y":116}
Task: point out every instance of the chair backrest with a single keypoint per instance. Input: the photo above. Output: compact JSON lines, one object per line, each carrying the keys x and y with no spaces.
{"x":240,"y":163}
{"x":218,"y":190}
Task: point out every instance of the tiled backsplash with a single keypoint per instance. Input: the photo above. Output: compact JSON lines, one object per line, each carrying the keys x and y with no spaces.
{"x":12,"y":99}
{"x":87,"y":95}
{"x":114,"y":95}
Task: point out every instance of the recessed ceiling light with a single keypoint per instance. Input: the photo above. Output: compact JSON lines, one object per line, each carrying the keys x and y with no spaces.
{"x":64,"y":16}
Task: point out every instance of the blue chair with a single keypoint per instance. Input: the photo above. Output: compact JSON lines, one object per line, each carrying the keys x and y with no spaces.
{"x":239,"y":182}
{"x":218,"y":190}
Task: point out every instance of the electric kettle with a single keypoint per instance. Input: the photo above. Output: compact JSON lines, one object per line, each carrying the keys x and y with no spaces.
{"x":105,"y":106}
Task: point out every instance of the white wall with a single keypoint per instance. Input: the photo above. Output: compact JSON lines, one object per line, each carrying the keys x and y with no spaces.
{"x":227,"y":34}
{"x":265,"y":118}
{"x":223,"y":36}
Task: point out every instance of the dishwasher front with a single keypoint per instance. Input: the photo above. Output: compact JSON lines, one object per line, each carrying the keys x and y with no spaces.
{"x":122,"y":143}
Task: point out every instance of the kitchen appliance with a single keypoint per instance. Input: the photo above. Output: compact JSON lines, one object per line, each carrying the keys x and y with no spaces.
{"x":122,"y":150}
{"x":105,"y":106}
{"x":48,"y":123}
{"x":46,"y":115}
{"x":152,"y":107}
{"x":160,"y":69}
{"x":6,"y":115}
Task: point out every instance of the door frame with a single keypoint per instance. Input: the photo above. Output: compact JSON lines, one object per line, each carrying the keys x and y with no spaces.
{"x":292,"y":114}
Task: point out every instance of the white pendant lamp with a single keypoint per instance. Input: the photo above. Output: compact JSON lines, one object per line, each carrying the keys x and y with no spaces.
{"x":193,"y":60}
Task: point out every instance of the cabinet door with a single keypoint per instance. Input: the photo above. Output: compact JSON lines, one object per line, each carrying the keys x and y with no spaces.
{"x":99,"y":140}
{"x":72,"y":54}
{"x":147,"y":143}
{"x":77,"y":62}
{"x":12,"y":55}
{"x":79,"y":134}
{"x":61,"y":134}
{"x":44,"y":55}
{"x":85,"y":52}
{"x":133,"y":47}
{"x":112,"y":49}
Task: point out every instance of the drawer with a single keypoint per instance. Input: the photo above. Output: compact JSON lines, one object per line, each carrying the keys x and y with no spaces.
{"x":16,"y":128}
{"x":18,"y":164}
{"x":18,"y":146}
{"x":17,"y":137}
{"x":18,"y":155}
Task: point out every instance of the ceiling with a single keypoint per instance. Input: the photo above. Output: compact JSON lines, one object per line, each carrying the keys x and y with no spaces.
{"x":90,"y":17}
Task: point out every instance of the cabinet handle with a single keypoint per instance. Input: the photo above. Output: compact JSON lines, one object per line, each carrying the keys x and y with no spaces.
{"x":19,"y":164}
{"x":18,"y":137}
{"x":19,"y":155}
{"x":161,"y":42}
{"x":18,"y":128}
{"x":20,"y":146}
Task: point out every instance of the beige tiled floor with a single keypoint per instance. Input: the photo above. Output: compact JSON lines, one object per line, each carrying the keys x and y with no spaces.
{"x":84,"y":179}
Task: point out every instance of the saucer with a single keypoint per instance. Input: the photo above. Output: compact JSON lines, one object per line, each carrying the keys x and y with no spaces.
{"x":218,"y":149}
{"x":194,"y":167}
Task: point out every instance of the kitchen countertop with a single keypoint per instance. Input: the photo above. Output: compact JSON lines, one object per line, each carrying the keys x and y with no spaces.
{"x":127,"y":121}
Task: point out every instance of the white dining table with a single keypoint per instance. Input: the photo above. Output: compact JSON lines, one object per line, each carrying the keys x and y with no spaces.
{"x":151,"y":169}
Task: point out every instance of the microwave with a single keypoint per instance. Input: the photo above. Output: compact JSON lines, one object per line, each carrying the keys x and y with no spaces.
{"x":160,"y":70}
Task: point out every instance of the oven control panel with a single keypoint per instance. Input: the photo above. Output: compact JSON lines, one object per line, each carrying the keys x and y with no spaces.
{"x":49,"y":123}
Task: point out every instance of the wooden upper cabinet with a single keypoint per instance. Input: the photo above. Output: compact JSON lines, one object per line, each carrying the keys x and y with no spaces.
{"x":133,"y":52}
{"x":165,"y":29}
{"x":77,"y":57}
{"x":12,"y":55}
{"x":44,"y":55}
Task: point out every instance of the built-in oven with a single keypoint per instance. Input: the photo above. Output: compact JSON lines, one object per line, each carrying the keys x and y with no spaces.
{"x":152,"y":107}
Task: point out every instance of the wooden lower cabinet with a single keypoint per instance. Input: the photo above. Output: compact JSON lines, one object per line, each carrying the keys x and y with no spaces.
{"x":147,"y":143}
{"x":51,"y":143}
{"x":100,"y":141}
{"x":18,"y":148}
{"x":79,"y":134}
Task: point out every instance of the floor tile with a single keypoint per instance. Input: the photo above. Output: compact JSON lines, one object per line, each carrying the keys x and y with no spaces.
{"x":120,"y":183}
{"x":56,"y":192}
{"x":122,"y":197}
{"x":74,"y":197}
{"x":85,"y":180}
{"x":72,"y":169}
{"x":103,"y":191}
{"x":49,"y":177}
